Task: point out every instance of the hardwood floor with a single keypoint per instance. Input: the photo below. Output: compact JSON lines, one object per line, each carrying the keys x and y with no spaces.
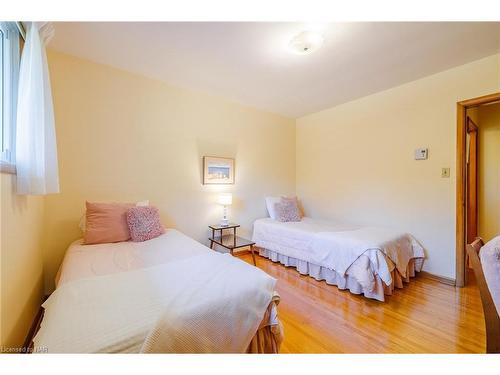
{"x":424,"y":317}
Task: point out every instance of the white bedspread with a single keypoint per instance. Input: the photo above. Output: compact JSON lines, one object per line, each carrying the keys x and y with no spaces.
{"x":338,"y":246}
{"x":339,"y":250}
{"x":83,"y":261}
{"x":205,"y":302}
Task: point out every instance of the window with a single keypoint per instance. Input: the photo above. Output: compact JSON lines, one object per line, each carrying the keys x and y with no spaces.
{"x":9,"y":59}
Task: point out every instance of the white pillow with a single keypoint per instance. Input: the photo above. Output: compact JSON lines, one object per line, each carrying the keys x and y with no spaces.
{"x":82,"y":219}
{"x":270,"y":202}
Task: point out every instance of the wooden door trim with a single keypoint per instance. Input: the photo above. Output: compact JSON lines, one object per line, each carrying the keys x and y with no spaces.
{"x":462,"y":107}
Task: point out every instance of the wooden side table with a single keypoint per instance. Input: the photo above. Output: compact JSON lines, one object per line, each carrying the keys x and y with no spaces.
{"x":230,"y":241}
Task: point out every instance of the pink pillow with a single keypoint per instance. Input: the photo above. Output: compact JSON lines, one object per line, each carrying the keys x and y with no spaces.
{"x":287,"y":211}
{"x":106,"y":222}
{"x":144,"y":223}
{"x":295,"y":202}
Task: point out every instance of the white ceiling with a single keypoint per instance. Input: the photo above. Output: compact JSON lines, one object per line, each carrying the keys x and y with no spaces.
{"x":250,"y":63}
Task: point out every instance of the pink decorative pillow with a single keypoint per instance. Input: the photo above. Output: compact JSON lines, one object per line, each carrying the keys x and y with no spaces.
{"x":106,"y":222}
{"x":294,"y":201}
{"x":144,"y":223}
{"x":287,"y":211}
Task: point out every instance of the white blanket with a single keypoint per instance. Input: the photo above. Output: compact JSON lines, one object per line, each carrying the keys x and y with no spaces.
{"x":206,"y":303}
{"x":339,"y":250}
{"x":84,"y":261}
{"x":338,"y":246}
{"x":490,"y":262}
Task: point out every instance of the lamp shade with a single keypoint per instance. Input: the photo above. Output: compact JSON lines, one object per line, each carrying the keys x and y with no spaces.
{"x":225,"y":199}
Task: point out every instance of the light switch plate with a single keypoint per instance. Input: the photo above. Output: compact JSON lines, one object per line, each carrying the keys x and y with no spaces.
{"x":421,"y":153}
{"x":445,"y":172}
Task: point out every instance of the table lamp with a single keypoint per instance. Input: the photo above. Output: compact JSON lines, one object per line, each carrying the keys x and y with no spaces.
{"x":225,"y":200}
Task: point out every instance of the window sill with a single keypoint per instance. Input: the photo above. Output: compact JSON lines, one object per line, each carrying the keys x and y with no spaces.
{"x":7,"y":168}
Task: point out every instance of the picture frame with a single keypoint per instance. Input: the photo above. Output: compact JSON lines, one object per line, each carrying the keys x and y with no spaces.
{"x":218,"y":170}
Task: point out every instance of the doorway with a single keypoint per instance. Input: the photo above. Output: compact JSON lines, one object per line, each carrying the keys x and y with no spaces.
{"x":468,"y":145}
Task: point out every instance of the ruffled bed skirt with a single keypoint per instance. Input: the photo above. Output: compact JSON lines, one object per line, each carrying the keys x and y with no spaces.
{"x":379,"y":290}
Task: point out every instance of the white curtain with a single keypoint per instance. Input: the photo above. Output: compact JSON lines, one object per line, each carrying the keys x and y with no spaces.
{"x":36,"y":150}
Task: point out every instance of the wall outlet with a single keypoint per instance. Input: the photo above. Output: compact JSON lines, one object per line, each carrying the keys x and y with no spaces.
{"x":421,"y":153}
{"x":445,"y":172}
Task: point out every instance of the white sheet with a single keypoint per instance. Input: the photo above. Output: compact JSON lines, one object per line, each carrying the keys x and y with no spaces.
{"x":339,"y":247}
{"x":83,"y":261}
{"x":193,"y":286}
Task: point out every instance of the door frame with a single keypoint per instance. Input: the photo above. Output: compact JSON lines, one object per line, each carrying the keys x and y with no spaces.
{"x":462,"y":107}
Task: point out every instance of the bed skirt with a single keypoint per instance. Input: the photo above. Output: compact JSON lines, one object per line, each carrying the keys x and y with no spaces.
{"x":269,"y":336}
{"x":331,"y":277}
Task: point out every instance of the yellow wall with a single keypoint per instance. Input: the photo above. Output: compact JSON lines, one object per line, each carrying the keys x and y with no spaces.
{"x":21,"y":270}
{"x":489,"y":171}
{"x":124,"y":137}
{"x":355,"y":161}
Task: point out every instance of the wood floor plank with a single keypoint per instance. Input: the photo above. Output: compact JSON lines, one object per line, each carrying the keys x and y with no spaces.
{"x":424,"y":317}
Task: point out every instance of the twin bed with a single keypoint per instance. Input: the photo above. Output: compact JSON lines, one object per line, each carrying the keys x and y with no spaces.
{"x":169,"y":294}
{"x":371,"y":261}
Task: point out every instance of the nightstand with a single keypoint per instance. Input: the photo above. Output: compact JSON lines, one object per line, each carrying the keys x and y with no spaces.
{"x":230,"y":241}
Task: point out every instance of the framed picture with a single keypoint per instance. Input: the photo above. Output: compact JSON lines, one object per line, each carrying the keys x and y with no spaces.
{"x":217,"y":170}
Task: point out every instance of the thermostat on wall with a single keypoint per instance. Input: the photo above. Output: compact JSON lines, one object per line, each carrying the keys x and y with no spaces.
{"x":421,"y":153}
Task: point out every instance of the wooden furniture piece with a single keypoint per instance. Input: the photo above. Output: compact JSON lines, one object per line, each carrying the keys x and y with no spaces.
{"x":491,"y":318}
{"x":230,"y":241}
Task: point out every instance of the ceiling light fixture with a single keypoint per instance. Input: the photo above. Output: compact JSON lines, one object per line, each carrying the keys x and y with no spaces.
{"x":306,"y":42}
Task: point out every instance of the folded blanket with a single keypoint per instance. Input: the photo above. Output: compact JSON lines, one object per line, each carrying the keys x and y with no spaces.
{"x":339,"y":250}
{"x":206,"y":303}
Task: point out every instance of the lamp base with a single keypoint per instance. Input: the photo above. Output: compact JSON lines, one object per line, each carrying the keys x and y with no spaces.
{"x":224,"y":223}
